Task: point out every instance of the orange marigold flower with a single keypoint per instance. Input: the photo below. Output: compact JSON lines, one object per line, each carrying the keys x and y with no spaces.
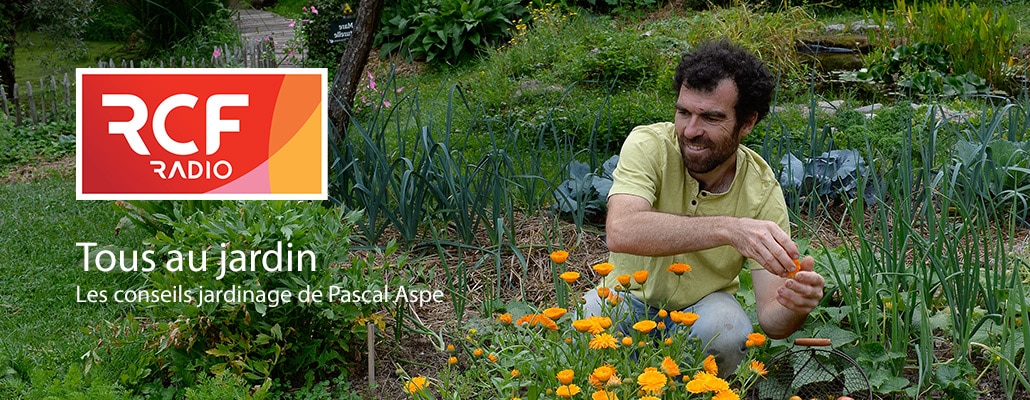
{"x":649,"y":398}
{"x":710,"y":366}
{"x":569,"y":276}
{"x":505,"y":318}
{"x":554,"y":313}
{"x":477,"y":352}
{"x":567,"y":391}
{"x":603,"y":269}
{"x":640,"y":276}
{"x":726,"y":395}
{"x":603,"y":341}
{"x":662,"y":313}
{"x":416,"y":384}
{"x":670,"y":368}
{"x":594,"y":324}
{"x":452,"y":360}
{"x":565,"y":376}
{"x":450,"y":347}
{"x":706,"y":382}
{"x":758,"y":367}
{"x":645,"y":326}
{"x":652,"y":381}
{"x":685,"y":318}
{"x":559,"y":256}
{"x":797,"y":268}
{"x":627,"y":341}
{"x":755,"y":340}
{"x":623,"y":280}
{"x":492,"y":357}
{"x":603,"y":292}
{"x":679,"y":268}
{"x":603,"y":373}
{"x":537,"y":319}
{"x":614,"y":299}
{"x":514,"y":373}
{"x":668,"y":341}
{"x":604,"y":395}
{"x":661,"y":325}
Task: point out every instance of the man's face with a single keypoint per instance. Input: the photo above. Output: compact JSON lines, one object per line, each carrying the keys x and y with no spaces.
{"x":707,"y":128}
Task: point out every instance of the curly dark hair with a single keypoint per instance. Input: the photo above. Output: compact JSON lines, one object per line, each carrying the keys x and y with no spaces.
{"x":709,"y":63}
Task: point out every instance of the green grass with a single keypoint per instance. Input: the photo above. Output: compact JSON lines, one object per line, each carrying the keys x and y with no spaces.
{"x":41,"y":322}
{"x":36,"y":58}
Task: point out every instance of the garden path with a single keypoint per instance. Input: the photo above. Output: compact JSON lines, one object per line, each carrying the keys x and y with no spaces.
{"x":258,"y":25}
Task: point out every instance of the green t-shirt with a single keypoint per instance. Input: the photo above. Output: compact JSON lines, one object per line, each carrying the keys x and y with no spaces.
{"x":651,"y":166}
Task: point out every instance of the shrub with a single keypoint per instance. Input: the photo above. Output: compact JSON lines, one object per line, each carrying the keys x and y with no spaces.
{"x":977,"y":39}
{"x":165,"y":23}
{"x":447,"y":30}
{"x":314,"y":28}
{"x":289,"y":341}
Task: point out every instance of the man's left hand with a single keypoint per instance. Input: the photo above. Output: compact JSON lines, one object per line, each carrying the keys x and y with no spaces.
{"x":802,"y":293}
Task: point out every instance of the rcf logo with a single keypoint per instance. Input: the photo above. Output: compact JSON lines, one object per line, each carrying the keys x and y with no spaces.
{"x":201,"y":134}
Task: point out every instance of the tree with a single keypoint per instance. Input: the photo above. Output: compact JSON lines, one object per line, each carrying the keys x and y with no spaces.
{"x":352,"y":63}
{"x":12,"y":12}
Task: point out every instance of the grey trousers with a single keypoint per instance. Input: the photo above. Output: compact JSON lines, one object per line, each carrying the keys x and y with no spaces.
{"x":722,"y":323}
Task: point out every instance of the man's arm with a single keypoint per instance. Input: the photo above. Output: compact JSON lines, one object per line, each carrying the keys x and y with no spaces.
{"x":634,"y":227}
{"x":782,"y":303}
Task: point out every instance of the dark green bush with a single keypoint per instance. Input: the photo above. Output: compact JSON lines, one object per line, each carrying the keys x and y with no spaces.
{"x":447,"y":30}
{"x":165,"y":23}
{"x":292,"y":343}
{"x":111,"y":22}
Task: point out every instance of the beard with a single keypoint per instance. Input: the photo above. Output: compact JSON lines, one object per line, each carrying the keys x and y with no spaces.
{"x":716,"y":152}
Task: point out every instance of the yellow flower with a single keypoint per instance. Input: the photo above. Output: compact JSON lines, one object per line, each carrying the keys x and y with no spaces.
{"x":450,"y":348}
{"x":679,"y":268}
{"x":559,"y":256}
{"x":670,"y":368}
{"x":603,"y":292}
{"x":514,"y":373}
{"x":623,"y":280}
{"x":603,"y":341}
{"x":604,"y":395}
{"x":668,"y":341}
{"x":565,"y":376}
{"x":416,"y":384}
{"x":661,"y":325}
{"x":758,"y":367}
{"x":640,"y":276}
{"x":453,"y":360}
{"x":652,"y":381}
{"x":505,"y":318}
{"x":554,"y":313}
{"x":603,"y":269}
{"x":627,"y":341}
{"x":477,"y":352}
{"x":710,"y":366}
{"x":662,"y":313}
{"x":567,"y":391}
{"x":645,"y":326}
{"x":649,"y":398}
{"x":569,"y":276}
{"x":755,"y":339}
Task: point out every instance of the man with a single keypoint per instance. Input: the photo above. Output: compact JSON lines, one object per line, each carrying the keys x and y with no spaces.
{"x":689,"y":192}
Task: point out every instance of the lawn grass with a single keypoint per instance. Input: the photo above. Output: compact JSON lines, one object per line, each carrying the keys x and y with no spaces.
{"x":36,"y":58}
{"x":41,"y":323}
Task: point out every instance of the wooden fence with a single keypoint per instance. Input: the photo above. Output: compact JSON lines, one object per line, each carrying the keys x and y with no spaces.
{"x":53,"y":98}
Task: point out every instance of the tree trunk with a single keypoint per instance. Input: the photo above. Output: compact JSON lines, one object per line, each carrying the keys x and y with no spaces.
{"x":11,"y":14}
{"x":352,"y":64}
